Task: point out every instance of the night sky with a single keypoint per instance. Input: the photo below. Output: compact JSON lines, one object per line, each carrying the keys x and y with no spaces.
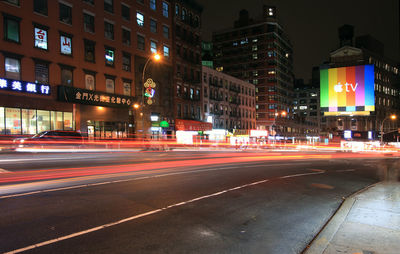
{"x":312,"y":25}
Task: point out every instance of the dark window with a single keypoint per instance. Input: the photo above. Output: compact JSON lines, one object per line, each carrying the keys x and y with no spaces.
{"x":177,"y":10}
{"x":140,"y":1}
{"x":89,"y":51}
{"x":14,"y":2}
{"x":66,"y":75}
{"x":126,"y":61}
{"x":109,"y":55}
{"x":65,"y":13}
{"x":109,"y":5}
{"x":165,"y":10}
{"x":166,"y":31}
{"x":126,"y":12}
{"x":89,"y":1}
{"x":140,"y":42}
{"x":40,"y":6}
{"x":126,"y":37}
{"x":153,"y":26}
{"x":108,"y":30}
{"x":11,"y":28}
{"x":42,"y":72}
{"x":88,"y":22}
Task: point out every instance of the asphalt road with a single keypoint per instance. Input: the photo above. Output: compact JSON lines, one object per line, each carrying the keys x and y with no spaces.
{"x":247,"y":204}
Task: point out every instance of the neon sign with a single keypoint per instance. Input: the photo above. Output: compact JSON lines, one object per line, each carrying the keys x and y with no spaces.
{"x":23,"y":86}
{"x":149,"y":92}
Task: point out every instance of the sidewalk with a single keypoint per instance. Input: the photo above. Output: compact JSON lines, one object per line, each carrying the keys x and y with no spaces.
{"x":368,"y":222}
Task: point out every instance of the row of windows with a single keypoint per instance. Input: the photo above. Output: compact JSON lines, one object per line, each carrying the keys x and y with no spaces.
{"x":228,"y":111}
{"x":223,"y":82}
{"x":187,"y":16}
{"x":12,"y":68}
{"x":219,"y":124}
{"x":185,"y":113}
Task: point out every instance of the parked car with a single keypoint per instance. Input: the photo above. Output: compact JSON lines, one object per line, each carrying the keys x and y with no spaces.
{"x":51,"y":138}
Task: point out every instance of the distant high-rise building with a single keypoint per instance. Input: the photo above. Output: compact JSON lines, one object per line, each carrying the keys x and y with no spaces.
{"x":259,"y":51}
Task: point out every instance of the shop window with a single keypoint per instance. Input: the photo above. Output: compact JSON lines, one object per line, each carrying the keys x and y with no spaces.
{"x":68,"y":121}
{"x":66,"y":45}
{"x":65,"y":13}
{"x":109,"y":5}
{"x":88,"y":22}
{"x":2,"y":121}
{"x":166,"y":31}
{"x":11,"y":28}
{"x":126,"y":88}
{"x":153,"y":4}
{"x":125,"y":12}
{"x":126,"y":61}
{"x":40,"y":37}
{"x":109,"y":56}
{"x":140,"y":19}
{"x":140,"y":42}
{"x":12,"y":68}
{"x":110,"y":85}
{"x":41,"y":72}
{"x":165,"y":9}
{"x":153,"y":47}
{"x":166,"y":51}
{"x":28,"y":121}
{"x":40,"y":6}
{"x":89,"y":51}
{"x":66,"y":76}
{"x":153,"y":26}
{"x":126,"y":36}
{"x":56,"y":120}
{"x":90,"y":81}
{"x":43,"y":120}
{"x":13,"y":121}
{"x":108,"y":30}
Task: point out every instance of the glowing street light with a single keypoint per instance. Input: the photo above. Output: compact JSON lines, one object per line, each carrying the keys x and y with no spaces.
{"x":136,"y":106}
{"x":392,"y":117}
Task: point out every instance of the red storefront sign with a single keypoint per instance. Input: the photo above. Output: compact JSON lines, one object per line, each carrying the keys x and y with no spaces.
{"x":191,"y":125}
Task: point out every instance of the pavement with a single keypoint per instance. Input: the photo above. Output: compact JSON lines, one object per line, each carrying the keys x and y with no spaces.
{"x":368,"y":222}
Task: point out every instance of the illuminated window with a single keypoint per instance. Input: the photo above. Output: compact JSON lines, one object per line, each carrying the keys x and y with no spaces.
{"x":220,"y":68}
{"x":165,"y":10}
{"x":110,"y":84}
{"x":28,"y":121}
{"x":109,"y":56}
{"x":177,"y":10}
{"x":139,"y":19}
{"x":12,"y":68}
{"x":40,"y":37}
{"x":127,"y":87}
{"x":13,"y":121}
{"x":65,"y":45}
{"x":255,"y":56}
{"x":254,"y":48}
{"x":153,"y":4}
{"x":153,"y":47}
{"x":166,"y":51}
{"x":90,"y":81}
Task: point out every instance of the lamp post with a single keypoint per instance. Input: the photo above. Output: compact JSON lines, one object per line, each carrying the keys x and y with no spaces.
{"x":393,"y":117}
{"x":156,"y":57}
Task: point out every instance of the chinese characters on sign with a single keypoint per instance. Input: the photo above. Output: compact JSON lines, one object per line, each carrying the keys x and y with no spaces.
{"x":23,"y":86}
{"x":40,"y":38}
{"x":88,"y":96}
{"x":66,"y":45}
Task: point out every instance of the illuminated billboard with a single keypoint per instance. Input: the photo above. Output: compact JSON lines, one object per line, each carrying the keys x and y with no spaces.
{"x":347,"y":90}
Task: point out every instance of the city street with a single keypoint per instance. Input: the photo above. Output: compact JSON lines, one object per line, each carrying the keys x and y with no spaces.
{"x":175,"y":202}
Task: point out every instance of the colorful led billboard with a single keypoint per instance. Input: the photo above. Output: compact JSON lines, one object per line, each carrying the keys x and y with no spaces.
{"x":347,"y":90}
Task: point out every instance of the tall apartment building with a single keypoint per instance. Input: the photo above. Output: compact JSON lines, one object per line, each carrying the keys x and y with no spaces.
{"x":78,"y":64}
{"x":368,"y":51}
{"x":259,"y":51}
{"x":187,"y":62}
{"x":229,"y":103}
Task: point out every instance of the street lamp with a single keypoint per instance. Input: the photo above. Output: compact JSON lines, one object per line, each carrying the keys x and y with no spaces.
{"x":155,"y":57}
{"x":393,"y":117}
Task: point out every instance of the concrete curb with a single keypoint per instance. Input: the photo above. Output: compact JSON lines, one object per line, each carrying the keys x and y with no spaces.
{"x":321,"y":241}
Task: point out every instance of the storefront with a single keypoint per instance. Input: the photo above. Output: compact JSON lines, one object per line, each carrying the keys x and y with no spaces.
{"x":189,"y":131}
{"x":29,"y":108}
{"x":99,"y":114}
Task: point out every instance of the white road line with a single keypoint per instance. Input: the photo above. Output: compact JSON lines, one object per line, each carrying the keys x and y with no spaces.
{"x":45,"y":159}
{"x":304,"y":174}
{"x":37,"y":245}
{"x":2,"y":170}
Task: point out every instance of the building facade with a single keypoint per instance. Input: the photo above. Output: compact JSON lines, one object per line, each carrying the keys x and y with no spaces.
{"x":78,"y":65}
{"x":259,"y":52}
{"x":187,"y":63}
{"x":229,"y":103}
